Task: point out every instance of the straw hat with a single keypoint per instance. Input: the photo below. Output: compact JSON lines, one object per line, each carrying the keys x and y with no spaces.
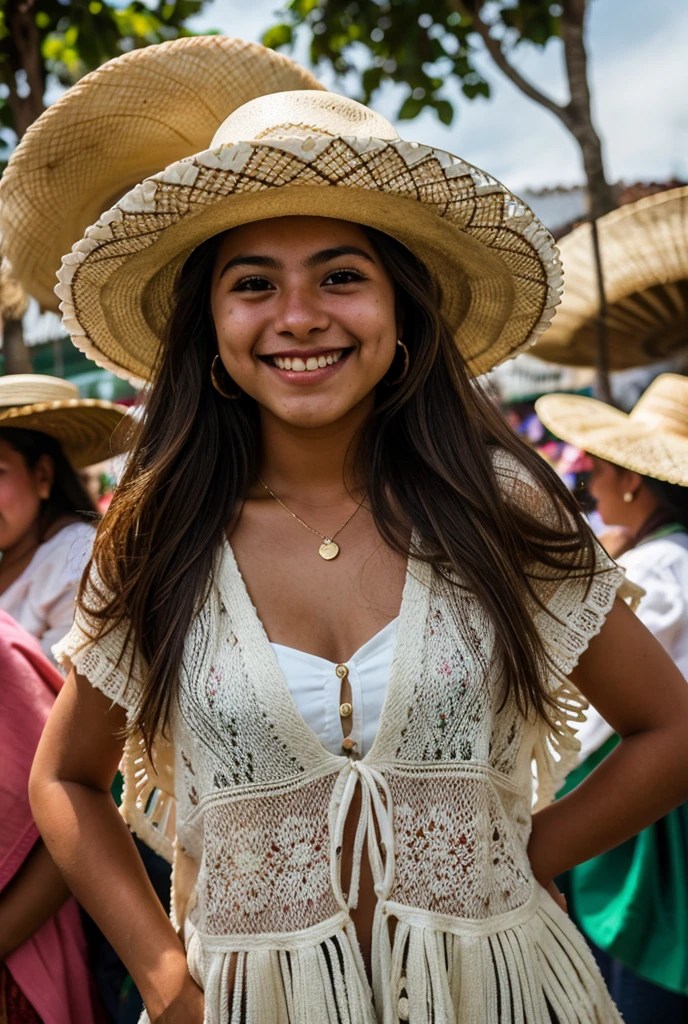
{"x":83,"y":426}
{"x":644,"y":249}
{"x":124,"y":121}
{"x":652,"y":440}
{"x":295,"y":153}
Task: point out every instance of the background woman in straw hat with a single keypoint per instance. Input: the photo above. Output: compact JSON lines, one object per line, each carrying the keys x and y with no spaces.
{"x":47,"y":518}
{"x":632,"y":902}
{"x":335,"y":603}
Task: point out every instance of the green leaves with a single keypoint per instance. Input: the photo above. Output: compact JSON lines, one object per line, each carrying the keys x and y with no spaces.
{"x":76,"y":37}
{"x":422,"y":44}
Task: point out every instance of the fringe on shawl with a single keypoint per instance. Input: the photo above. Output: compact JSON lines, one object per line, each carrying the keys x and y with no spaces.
{"x":528,"y":974}
{"x":317,"y":978}
{"x":148,"y":803}
{"x":556,"y":749}
{"x":537,"y":970}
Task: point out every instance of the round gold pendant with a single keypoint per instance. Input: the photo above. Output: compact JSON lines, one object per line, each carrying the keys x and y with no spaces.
{"x":328,"y":550}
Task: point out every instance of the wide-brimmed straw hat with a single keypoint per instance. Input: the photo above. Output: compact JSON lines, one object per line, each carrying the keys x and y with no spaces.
{"x":307,"y":153}
{"x":126,"y":120}
{"x":83,"y":426}
{"x":644,"y":251}
{"x":651,"y":440}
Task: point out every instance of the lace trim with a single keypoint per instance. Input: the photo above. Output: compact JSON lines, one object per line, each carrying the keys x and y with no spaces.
{"x":556,"y":749}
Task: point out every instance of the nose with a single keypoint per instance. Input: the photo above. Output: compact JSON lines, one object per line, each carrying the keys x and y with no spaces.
{"x":300,"y":313}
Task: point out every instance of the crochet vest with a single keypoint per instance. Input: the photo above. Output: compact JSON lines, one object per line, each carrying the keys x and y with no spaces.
{"x":251,"y":808}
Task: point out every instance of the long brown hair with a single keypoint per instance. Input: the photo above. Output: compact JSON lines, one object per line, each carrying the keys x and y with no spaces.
{"x":426,"y":456}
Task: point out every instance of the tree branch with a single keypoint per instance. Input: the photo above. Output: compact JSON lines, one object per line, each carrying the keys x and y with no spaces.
{"x":494,"y":48}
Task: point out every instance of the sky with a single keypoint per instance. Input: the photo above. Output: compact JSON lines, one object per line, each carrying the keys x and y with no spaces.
{"x":638,"y":53}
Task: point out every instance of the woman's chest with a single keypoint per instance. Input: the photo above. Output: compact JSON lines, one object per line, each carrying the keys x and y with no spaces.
{"x":327,"y":608}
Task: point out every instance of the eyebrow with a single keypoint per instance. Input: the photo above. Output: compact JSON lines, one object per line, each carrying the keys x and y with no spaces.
{"x":316,"y":260}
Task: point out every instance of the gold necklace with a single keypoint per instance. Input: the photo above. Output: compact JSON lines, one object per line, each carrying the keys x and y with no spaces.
{"x":328,"y":549}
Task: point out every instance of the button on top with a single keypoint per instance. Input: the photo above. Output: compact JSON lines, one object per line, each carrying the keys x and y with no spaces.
{"x":341,"y":671}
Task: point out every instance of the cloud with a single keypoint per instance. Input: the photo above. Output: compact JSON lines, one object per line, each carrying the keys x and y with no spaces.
{"x":638,"y":74}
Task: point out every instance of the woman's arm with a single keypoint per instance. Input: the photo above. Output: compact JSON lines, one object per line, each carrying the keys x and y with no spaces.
{"x":36,"y":892}
{"x":634,"y":684}
{"x":69,"y":789}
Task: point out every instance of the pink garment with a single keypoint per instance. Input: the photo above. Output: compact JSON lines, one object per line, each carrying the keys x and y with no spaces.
{"x":51,"y":967}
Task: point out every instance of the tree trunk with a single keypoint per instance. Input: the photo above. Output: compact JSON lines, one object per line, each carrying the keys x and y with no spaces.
{"x":20,"y":18}
{"x":26,"y":57}
{"x":601,"y":198}
{"x":17,"y":355}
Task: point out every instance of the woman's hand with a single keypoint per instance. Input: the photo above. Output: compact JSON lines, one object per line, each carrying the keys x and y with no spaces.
{"x":636,"y":687}
{"x":186,"y":1008}
{"x":558,"y":897}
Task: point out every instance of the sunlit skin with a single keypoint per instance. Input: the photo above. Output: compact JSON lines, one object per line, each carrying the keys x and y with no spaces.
{"x":304,"y":287}
{"x":21,"y":492}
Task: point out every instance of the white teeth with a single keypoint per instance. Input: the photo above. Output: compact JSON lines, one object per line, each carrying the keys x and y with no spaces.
{"x":312,"y":363}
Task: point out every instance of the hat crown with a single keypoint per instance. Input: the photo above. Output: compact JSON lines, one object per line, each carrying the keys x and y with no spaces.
{"x":664,"y":405}
{"x":300,"y":114}
{"x":33,"y":388}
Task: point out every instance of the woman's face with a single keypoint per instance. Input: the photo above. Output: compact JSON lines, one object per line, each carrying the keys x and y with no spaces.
{"x":21,"y":492}
{"x":608,"y":484}
{"x":305,"y":317}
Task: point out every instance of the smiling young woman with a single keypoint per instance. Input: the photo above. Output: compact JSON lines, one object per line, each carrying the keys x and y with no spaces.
{"x":335,"y":746}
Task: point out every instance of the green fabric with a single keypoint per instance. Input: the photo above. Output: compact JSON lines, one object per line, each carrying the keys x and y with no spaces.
{"x":632,"y":902}
{"x":116,"y":788}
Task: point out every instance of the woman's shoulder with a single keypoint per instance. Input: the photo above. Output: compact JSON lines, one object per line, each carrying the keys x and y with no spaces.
{"x":520,"y":486}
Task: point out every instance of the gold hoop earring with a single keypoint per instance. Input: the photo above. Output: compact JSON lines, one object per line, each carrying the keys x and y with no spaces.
{"x":628,"y":497}
{"x":216,"y":384}
{"x":404,"y":372}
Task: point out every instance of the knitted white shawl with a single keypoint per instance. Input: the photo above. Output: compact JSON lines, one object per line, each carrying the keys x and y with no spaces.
{"x":251,"y":808}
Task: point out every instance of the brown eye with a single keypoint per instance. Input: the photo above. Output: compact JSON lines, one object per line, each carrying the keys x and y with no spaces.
{"x":252,"y":284}
{"x":343,"y":277}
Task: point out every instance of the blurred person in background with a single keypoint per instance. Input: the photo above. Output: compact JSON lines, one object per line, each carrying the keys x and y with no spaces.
{"x":632,"y":902}
{"x":47,"y":518}
{"x":44,"y":977}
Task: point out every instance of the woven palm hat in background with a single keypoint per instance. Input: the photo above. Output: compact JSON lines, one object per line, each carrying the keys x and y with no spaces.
{"x":83,"y":426}
{"x":126,"y":120}
{"x":307,"y":153}
{"x":644,"y":250}
{"x":651,"y":440}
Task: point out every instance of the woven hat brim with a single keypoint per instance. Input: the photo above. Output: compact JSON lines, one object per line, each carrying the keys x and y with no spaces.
{"x":601,"y":430}
{"x":84,"y":426}
{"x":113,"y":128}
{"x":644,"y":251}
{"x":496,"y":264}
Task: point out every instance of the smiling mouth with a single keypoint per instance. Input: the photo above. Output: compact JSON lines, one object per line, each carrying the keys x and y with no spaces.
{"x":298,"y":365}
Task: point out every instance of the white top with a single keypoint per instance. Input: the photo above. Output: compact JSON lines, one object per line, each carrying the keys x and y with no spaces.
{"x":660,"y":567}
{"x":316,"y":688}
{"x":42,"y":598}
